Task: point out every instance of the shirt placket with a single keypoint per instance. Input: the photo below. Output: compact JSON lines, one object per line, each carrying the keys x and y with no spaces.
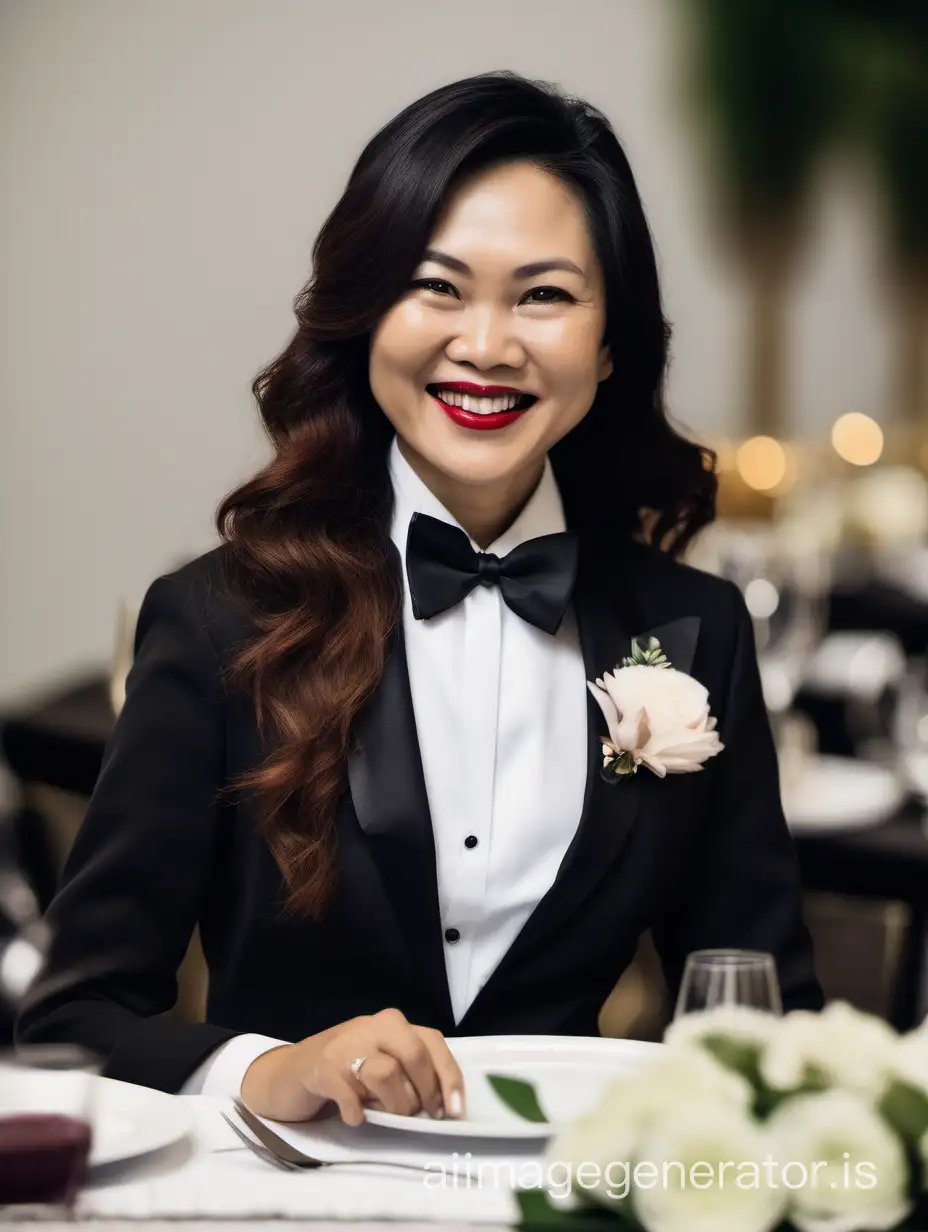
{"x":480,"y":672}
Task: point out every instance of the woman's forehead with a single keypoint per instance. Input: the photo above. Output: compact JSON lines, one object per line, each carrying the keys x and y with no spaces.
{"x":515,"y":214}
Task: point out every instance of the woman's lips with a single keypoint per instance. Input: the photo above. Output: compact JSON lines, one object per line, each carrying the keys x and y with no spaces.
{"x":470,"y":419}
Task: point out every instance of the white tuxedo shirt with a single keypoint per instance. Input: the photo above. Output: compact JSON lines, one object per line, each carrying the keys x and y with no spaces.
{"x":501,"y":718}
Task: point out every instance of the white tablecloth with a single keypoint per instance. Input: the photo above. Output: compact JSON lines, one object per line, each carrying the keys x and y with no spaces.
{"x":200,"y":1178}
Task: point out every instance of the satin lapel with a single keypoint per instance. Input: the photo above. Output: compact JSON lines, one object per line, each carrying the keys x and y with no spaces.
{"x":605,"y":614}
{"x":678,"y":641}
{"x":389,"y":796}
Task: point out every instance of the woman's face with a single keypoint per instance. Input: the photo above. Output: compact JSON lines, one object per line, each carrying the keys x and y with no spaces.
{"x":509,"y":294}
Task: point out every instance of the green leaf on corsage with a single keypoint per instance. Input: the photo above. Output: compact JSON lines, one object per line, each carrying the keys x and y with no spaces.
{"x":619,"y":766}
{"x":646,"y":653}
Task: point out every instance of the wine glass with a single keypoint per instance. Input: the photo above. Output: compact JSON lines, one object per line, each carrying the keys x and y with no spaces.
{"x":783,"y":570}
{"x":910,"y":728}
{"x":729,"y":977}
{"x":46,"y":1118}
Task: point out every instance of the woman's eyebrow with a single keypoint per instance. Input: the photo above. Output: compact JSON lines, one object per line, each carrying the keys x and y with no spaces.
{"x":524,"y":271}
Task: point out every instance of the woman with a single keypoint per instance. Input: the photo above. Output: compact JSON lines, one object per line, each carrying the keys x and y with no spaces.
{"x":363,"y":743}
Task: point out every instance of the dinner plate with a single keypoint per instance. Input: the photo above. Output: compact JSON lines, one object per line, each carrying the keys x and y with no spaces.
{"x":128,"y":1120}
{"x":837,"y":793}
{"x":569,"y":1074}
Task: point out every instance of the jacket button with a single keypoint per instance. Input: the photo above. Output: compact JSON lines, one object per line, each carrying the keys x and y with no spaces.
{"x":452,"y":935}
{"x":471,"y":840}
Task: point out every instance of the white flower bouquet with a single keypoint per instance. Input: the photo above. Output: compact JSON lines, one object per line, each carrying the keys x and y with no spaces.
{"x":747,"y":1123}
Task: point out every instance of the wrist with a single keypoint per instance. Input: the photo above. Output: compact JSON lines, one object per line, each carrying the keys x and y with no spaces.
{"x":271,"y":1087}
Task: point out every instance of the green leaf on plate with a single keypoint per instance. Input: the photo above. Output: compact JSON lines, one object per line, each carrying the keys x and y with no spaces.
{"x":519,"y":1096}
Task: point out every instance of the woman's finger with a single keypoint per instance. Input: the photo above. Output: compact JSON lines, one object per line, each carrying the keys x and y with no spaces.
{"x":337,"y":1081}
{"x":384,"y":1078}
{"x":348,"y":1095}
{"x":404,"y":1043}
{"x":447,"y":1070}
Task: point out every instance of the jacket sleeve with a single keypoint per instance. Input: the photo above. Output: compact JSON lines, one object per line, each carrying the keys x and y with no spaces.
{"x":223,"y":1070}
{"x":138,"y":871}
{"x":744,"y":889}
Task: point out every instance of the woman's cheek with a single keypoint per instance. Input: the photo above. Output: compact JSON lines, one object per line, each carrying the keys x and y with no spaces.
{"x":567,"y":342}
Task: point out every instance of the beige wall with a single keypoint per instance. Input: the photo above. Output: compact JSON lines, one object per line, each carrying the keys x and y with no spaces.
{"x":166,"y":165}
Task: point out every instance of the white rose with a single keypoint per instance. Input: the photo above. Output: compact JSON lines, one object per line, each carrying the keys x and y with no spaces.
{"x":679,"y":1074}
{"x":848,"y":1048}
{"x":595,"y":1153}
{"x":701,"y":1169}
{"x":909,"y":1059}
{"x":607,"y":1138}
{"x":660,"y":716}
{"x":742,"y":1024}
{"x":844,"y":1167}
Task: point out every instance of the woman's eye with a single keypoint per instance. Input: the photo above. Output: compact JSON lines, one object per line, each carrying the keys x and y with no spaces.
{"x":539,"y":295}
{"x":551,"y":295}
{"x":438,"y":285}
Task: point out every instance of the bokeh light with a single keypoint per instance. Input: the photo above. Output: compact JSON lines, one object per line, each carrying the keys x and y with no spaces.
{"x":762,"y":463}
{"x":857,"y":439}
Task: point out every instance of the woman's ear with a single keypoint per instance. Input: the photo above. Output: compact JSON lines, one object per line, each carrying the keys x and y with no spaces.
{"x":605,"y":364}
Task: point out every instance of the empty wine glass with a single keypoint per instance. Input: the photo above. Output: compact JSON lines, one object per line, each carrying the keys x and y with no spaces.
{"x":783,"y":570}
{"x":729,"y":977}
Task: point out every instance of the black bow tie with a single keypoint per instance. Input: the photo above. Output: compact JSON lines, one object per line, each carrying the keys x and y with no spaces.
{"x":536,"y":578}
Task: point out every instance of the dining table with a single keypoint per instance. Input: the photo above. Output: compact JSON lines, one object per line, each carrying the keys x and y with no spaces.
{"x":205,"y":1178}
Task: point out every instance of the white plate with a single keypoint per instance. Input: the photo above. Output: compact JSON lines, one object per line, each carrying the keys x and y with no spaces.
{"x":569,"y":1074}
{"x":861,"y":665}
{"x":837,"y":793}
{"x":127,"y":1120}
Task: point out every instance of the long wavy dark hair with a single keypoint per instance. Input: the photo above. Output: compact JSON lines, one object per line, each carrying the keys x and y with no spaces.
{"x":308,"y":538}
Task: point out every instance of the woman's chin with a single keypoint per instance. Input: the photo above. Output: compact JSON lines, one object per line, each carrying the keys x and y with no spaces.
{"x":483,"y":466}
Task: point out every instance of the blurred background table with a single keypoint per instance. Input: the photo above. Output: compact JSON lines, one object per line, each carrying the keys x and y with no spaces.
{"x":54,"y":746}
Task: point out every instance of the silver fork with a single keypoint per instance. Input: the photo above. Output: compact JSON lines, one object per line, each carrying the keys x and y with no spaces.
{"x":295,"y":1160}
{"x":256,"y":1148}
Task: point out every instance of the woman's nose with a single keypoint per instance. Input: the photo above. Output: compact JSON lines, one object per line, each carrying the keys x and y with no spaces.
{"x":486,"y":339}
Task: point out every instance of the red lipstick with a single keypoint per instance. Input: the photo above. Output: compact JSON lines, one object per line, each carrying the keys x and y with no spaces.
{"x":485,"y":391}
{"x":471,"y":419}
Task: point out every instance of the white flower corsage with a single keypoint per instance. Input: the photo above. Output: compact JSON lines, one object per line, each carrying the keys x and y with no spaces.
{"x":657,"y":716}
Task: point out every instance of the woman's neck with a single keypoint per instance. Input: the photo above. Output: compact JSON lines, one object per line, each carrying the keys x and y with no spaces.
{"x":485,"y":511}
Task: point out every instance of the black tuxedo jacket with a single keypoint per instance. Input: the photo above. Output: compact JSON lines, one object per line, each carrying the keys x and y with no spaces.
{"x":704,"y":859}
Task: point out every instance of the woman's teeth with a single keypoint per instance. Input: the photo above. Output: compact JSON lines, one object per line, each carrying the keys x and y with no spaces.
{"x":479,"y":405}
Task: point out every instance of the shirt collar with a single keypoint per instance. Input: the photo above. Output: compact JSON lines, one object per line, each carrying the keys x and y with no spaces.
{"x":542,"y":514}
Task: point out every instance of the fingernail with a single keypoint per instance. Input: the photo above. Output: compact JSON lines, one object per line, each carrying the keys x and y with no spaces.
{"x":455,"y":1104}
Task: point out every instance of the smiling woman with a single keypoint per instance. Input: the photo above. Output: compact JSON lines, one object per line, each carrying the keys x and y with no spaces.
{"x":515,"y":311}
{"x":358,"y":744}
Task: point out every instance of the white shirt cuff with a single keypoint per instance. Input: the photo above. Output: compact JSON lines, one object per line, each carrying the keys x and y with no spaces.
{"x":223,"y":1070}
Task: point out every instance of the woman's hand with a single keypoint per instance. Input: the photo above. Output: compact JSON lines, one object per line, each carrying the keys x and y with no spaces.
{"x":406,"y":1069}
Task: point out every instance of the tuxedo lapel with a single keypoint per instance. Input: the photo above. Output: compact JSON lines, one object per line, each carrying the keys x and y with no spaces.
{"x":678,"y":641}
{"x":389,"y":796}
